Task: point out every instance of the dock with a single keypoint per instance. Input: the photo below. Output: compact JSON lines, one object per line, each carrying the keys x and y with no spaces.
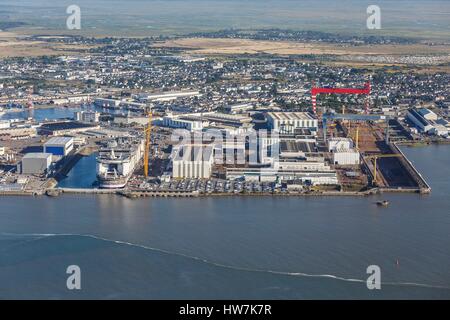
{"x":424,"y":187}
{"x":397,"y":174}
{"x":87,"y":191}
{"x":127,"y":193}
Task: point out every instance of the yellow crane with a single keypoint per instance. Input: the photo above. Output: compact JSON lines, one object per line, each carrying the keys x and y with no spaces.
{"x":354,"y":137}
{"x":376,"y":157}
{"x":147,"y":132}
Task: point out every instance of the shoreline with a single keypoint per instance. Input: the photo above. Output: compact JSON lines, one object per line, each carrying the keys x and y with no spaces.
{"x":422,"y":143}
{"x":56,"y":192}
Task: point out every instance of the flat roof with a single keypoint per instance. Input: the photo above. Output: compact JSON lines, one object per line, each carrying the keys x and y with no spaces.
{"x":66,"y":125}
{"x":37,"y":155}
{"x":340,"y":139}
{"x":59,"y":141}
{"x":291,"y":116}
{"x":297,"y":146}
{"x":227,"y":117}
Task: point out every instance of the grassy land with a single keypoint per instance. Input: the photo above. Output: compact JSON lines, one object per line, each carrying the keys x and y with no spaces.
{"x":241,"y":46}
{"x":14,"y":45}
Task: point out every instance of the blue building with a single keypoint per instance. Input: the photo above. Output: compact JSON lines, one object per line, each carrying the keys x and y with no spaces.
{"x":59,"y":146}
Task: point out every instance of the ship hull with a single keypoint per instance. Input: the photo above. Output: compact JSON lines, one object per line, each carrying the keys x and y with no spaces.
{"x":112,"y":183}
{"x":116,"y":162}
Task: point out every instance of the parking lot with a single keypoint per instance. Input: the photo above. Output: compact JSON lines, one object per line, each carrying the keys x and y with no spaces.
{"x":211,"y":186}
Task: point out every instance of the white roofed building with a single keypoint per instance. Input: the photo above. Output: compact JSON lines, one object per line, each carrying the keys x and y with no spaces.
{"x":287,"y":122}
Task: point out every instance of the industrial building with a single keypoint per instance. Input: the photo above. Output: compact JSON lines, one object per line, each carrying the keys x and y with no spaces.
{"x":232,"y":148}
{"x":188,"y":122}
{"x":296,"y":149}
{"x":65,"y":128}
{"x":440,"y":130}
{"x":335,"y":144}
{"x":293,"y":165}
{"x":87,"y":116}
{"x":135,"y":106}
{"x":169,"y":96}
{"x":36,"y":163}
{"x":128,"y":120}
{"x":428,"y":122}
{"x":299,"y":134}
{"x":428,"y":114}
{"x":418,"y":120}
{"x":232,"y":120}
{"x":59,"y":146}
{"x":287,"y":122}
{"x":346,"y":157}
{"x":239,"y":108}
{"x":271,"y":175}
{"x":21,"y":132}
{"x":308,"y":172}
{"x":74,"y":99}
{"x":107,"y":103}
{"x":233,"y":124}
{"x":343,"y":152}
{"x":190,"y":161}
{"x":301,"y":143}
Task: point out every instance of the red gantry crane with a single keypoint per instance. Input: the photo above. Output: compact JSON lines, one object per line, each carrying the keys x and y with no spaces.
{"x":315,"y":91}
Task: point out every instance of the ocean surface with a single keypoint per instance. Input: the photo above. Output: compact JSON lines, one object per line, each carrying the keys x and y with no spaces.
{"x":234,"y":248}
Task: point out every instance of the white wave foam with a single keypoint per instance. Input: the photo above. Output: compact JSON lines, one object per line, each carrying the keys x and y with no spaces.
{"x":295,"y":274}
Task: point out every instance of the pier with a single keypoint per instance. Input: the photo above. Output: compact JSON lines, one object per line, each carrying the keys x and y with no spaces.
{"x":124,"y":192}
{"x":87,"y":191}
{"x":424,"y":187}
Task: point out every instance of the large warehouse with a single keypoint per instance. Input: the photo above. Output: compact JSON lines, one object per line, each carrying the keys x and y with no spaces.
{"x":59,"y":146}
{"x":193,"y":162}
{"x":36,"y":163}
{"x":287,"y":122}
{"x":428,"y":122}
{"x":62,"y":128}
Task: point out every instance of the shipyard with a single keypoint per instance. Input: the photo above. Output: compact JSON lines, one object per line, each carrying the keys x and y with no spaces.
{"x":139,"y":154}
{"x":214,"y":125}
{"x":225,"y":150}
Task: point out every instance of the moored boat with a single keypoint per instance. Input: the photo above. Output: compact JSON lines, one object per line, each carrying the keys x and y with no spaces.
{"x":117,"y":161}
{"x":383,"y":203}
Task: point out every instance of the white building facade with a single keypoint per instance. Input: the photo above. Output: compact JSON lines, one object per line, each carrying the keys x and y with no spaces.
{"x":287,"y":122}
{"x":193,"y":162}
